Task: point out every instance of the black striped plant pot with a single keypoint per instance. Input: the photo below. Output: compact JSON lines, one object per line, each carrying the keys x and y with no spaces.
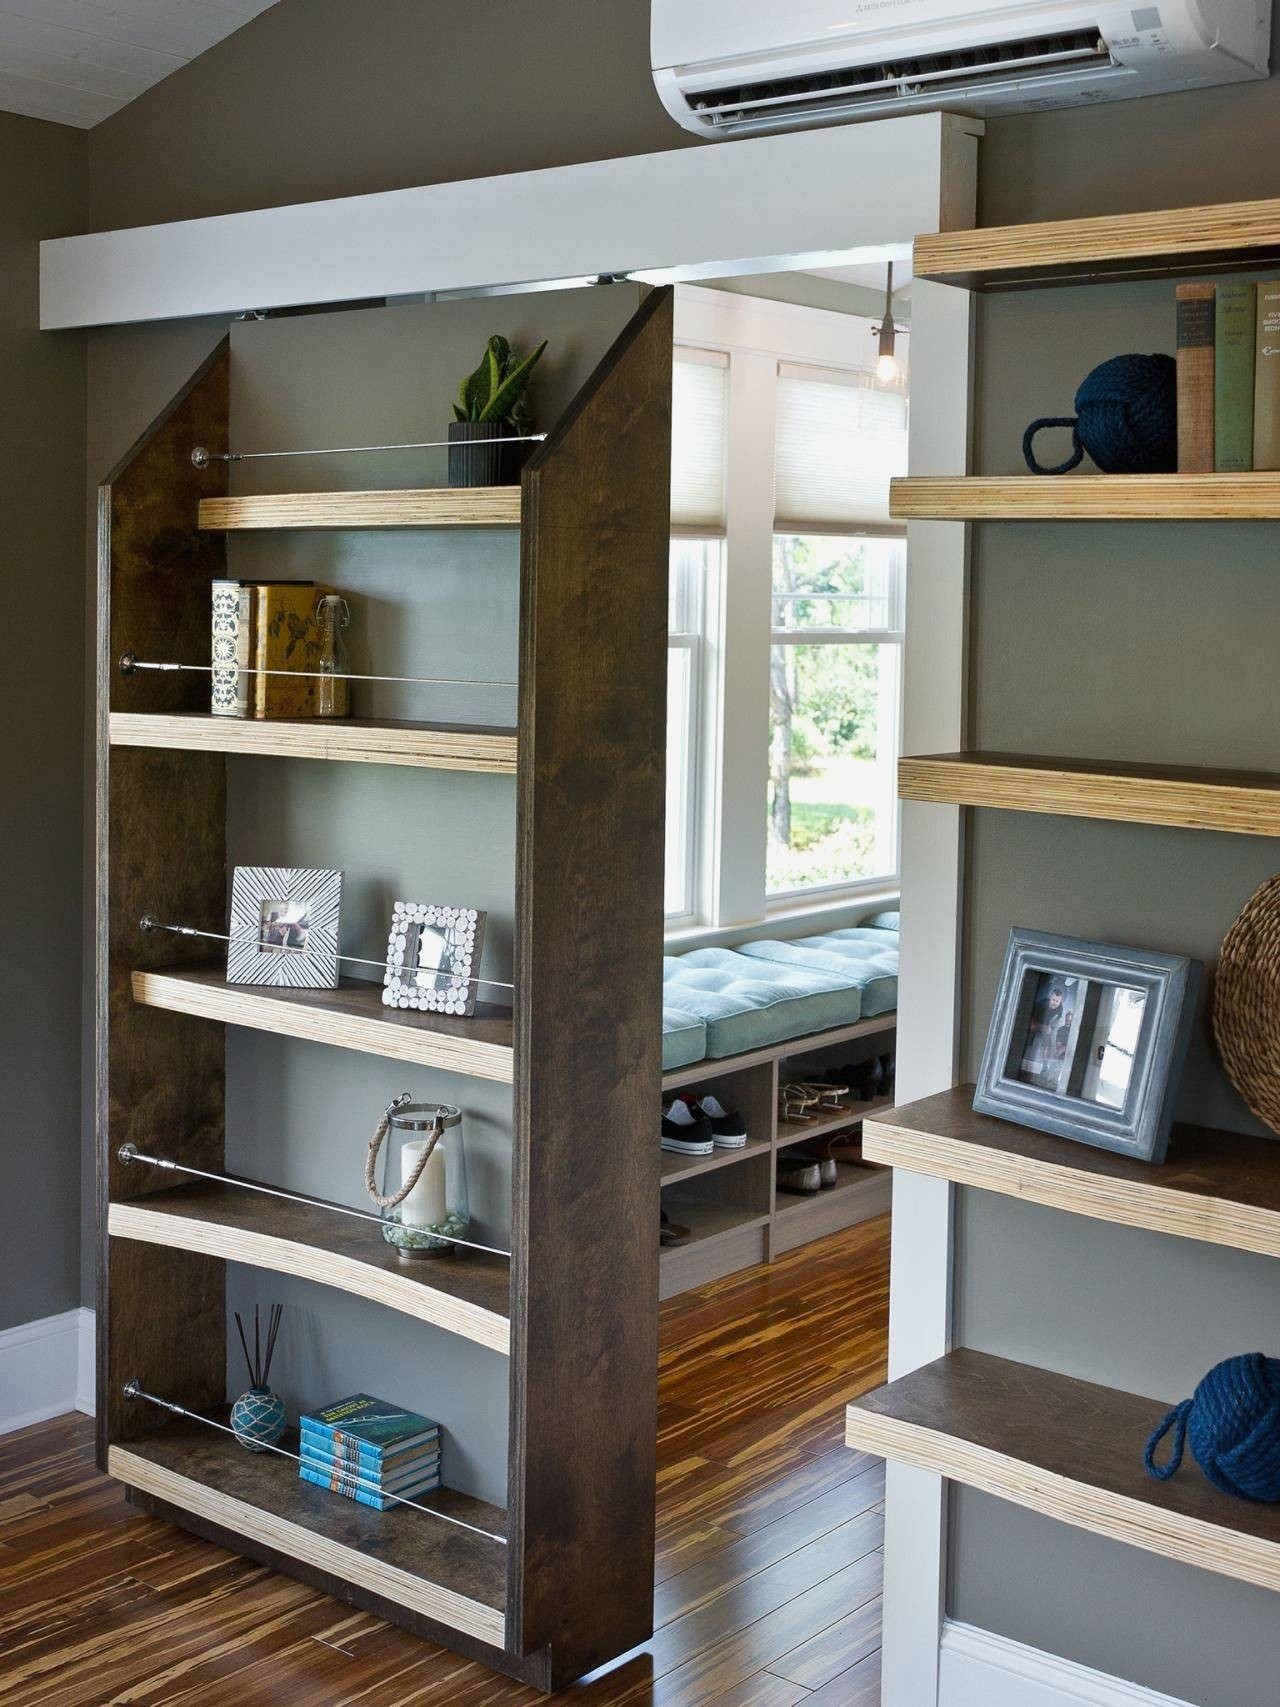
{"x":481,"y":462}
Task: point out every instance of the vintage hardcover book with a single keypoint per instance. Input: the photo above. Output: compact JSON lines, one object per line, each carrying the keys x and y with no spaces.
{"x":286,"y":639}
{"x":230,"y":682}
{"x":1234,"y":344}
{"x":365,"y":1424}
{"x":1195,"y":378}
{"x":1266,"y":378}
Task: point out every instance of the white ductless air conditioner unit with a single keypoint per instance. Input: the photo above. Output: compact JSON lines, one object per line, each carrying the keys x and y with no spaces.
{"x":728,"y":68}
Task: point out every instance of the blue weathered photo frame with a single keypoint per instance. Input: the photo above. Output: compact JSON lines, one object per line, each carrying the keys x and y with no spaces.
{"x":1040,"y":1058}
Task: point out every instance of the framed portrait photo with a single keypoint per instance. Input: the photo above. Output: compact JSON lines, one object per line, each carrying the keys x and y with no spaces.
{"x":433,"y":958}
{"x":284,"y":927}
{"x":1087,"y":1041}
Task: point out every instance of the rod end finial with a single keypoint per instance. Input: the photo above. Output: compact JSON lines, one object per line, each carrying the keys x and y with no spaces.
{"x":147,"y":923}
{"x":127,"y":1153}
{"x":199,"y":457}
{"x":131,"y":1389}
{"x":128,"y":663}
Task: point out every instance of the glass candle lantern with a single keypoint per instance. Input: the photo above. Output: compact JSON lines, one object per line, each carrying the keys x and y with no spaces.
{"x":438,"y":1204}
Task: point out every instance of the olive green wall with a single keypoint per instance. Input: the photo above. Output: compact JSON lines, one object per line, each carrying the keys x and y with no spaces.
{"x":42,"y":771}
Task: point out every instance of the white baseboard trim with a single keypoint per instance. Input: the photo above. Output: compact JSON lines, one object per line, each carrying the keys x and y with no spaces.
{"x":980,"y":1669}
{"x":46,"y":1369}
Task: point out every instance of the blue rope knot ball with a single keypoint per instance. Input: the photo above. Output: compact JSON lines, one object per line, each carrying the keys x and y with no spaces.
{"x":1233,"y":1423}
{"x":1126,"y":419}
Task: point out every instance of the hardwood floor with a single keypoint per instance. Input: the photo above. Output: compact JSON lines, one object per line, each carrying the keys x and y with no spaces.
{"x":768,"y":1577}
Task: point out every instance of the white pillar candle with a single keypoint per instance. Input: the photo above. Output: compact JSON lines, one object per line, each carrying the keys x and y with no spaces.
{"x":425,"y":1205}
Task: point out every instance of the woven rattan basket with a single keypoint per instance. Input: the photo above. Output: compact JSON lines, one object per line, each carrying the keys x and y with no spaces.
{"x":1246,"y":1003}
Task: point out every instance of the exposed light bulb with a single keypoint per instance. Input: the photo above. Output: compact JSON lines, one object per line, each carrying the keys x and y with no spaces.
{"x":887,"y":365}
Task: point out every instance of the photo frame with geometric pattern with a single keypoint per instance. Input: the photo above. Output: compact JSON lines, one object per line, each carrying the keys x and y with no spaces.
{"x":433,"y":955}
{"x":284,"y":927}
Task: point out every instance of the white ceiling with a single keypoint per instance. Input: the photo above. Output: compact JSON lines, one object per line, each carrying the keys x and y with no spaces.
{"x":872,"y":277}
{"x":79,"y":61}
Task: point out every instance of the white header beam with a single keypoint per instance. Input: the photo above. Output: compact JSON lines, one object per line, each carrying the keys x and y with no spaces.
{"x":814,"y":198}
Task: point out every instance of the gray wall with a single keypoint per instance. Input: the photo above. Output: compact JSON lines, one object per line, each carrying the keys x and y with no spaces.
{"x":1138,"y":641}
{"x":43,"y":193}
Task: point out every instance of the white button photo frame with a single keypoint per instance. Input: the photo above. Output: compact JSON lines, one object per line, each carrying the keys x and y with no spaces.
{"x":451,"y":988}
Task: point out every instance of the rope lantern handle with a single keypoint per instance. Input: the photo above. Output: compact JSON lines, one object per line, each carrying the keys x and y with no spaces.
{"x":1177,"y":1421}
{"x":1077,"y":449}
{"x":375,"y":1144}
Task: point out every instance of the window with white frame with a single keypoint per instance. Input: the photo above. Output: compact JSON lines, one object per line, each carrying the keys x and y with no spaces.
{"x":787,"y":592}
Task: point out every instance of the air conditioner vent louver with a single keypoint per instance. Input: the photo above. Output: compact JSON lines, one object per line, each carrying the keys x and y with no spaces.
{"x":735,"y":102}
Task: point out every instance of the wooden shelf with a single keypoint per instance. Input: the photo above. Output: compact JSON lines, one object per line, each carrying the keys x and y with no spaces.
{"x":676,"y":1167}
{"x":433,"y":1568}
{"x":355,"y":740}
{"x":1246,"y":802}
{"x":1086,"y":497}
{"x":1068,"y":1449}
{"x":1220,"y":1187}
{"x":350,"y":1017}
{"x":465,"y":1294}
{"x":796,"y":1132}
{"x":858,"y":1195}
{"x":708,"y":1221}
{"x":1135,"y":245}
{"x":425,"y":507}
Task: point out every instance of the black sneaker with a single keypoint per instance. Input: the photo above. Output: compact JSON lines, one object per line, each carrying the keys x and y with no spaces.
{"x":684,"y":1132}
{"x":727,"y":1129}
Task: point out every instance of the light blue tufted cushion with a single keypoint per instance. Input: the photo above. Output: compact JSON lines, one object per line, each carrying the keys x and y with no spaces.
{"x":684,"y":1038}
{"x":887,"y":921}
{"x":865,"y":956}
{"x":748,"y":1003}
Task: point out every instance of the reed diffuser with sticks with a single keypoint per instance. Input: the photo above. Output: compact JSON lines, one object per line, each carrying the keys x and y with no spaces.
{"x":257,"y":1416}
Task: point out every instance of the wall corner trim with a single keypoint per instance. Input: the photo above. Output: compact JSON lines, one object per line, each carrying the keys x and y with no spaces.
{"x":46,"y":1369}
{"x":981,"y":1669}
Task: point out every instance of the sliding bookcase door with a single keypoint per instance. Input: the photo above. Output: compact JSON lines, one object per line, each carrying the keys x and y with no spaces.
{"x":588,"y":1010}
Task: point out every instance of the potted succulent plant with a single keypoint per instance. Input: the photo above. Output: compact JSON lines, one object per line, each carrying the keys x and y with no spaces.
{"x":491,"y":406}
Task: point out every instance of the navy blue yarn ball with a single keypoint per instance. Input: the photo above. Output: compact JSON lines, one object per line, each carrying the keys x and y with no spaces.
{"x":1233,"y":1424}
{"x":1126,"y":419}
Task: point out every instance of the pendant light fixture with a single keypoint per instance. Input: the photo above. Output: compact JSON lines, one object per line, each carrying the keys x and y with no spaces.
{"x":887,"y":364}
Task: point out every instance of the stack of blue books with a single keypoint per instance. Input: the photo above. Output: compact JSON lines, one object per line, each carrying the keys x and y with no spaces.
{"x":369,"y":1450}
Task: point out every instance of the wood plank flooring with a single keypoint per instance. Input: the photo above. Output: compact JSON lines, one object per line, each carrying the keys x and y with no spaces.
{"x":769,"y":1530}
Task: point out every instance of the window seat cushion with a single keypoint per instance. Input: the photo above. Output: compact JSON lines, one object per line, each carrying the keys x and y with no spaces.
{"x":865,"y":956}
{"x":684,"y":1038}
{"x":748,"y":1003}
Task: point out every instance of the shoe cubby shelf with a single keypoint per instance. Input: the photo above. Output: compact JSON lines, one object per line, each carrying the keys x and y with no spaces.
{"x":1244,"y":802}
{"x":441,"y":1572}
{"x":572,"y":1584}
{"x":466,"y":1293}
{"x":1220,"y":1187}
{"x":730,"y":1201}
{"x":427,"y":507}
{"x":1067,"y":1449}
{"x":1086,"y":498}
{"x":349,"y":740}
{"x":1222,"y":238}
{"x":351,"y":1017}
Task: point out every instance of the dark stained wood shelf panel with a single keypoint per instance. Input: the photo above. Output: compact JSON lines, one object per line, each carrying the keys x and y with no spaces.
{"x":1221,"y":238}
{"x":424,"y":507}
{"x":708,"y":1221}
{"x":466,"y":1294}
{"x":350,"y":1017}
{"x":355,"y":740}
{"x":1220,"y":1187}
{"x":1245,"y":802}
{"x":677,"y":1167}
{"x":1085,"y":497}
{"x":1068,"y":1449}
{"x":434,"y":1568}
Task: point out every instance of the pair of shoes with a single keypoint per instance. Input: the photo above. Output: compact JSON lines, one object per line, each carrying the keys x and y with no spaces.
{"x":695,"y":1128}
{"x":799,"y":1174}
{"x":800,"y":1102}
{"x":870,"y":1080}
{"x":828,"y":1152}
{"x":671,"y":1233}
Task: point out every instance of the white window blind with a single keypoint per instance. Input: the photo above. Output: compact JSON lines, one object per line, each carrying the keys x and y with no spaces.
{"x":840,"y":437}
{"x":699,"y":401}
